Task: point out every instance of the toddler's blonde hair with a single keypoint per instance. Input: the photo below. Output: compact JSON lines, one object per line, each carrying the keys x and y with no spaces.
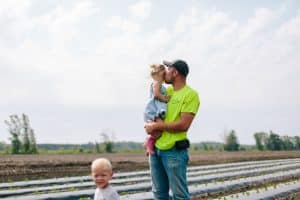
{"x":101,"y":163}
{"x":156,"y":69}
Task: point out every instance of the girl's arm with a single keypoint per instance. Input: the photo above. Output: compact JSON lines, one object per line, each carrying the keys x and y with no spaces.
{"x":156,"y":92}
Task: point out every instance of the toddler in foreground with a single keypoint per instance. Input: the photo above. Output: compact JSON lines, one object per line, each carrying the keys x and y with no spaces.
{"x":102,"y":173}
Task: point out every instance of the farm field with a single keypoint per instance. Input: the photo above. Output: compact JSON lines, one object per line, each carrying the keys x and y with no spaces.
{"x":260,"y":179}
{"x":31,"y":167}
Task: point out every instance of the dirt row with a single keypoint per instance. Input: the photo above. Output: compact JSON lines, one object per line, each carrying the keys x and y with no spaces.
{"x":30,"y":167}
{"x":248,"y":187}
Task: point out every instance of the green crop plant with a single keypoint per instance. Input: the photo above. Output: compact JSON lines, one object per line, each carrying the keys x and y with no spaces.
{"x":72,"y":189}
{"x":37,"y":193}
{"x":12,"y":188}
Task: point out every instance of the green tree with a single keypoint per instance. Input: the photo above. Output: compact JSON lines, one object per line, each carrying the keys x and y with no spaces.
{"x":14,"y":129}
{"x":25,"y":143}
{"x":2,"y":145}
{"x":231,"y":142}
{"x":97,"y":147}
{"x":21,"y":135}
{"x":15,"y":143}
{"x":107,"y":141}
{"x":274,"y":143}
{"x":297,"y":142}
{"x":260,"y":140}
{"x":205,"y":147}
{"x":288,"y":143}
{"x":33,"y":146}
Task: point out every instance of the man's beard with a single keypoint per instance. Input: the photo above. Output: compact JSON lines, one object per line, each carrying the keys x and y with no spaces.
{"x":169,"y":81}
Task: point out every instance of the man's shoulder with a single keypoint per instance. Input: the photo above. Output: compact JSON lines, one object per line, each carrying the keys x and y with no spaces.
{"x":190,"y":91}
{"x":186,"y":91}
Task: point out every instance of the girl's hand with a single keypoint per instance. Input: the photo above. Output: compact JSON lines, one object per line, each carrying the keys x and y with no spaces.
{"x":167,"y":98}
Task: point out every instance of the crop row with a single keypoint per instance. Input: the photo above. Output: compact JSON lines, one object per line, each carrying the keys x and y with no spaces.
{"x":206,"y":169}
{"x":203,"y":180}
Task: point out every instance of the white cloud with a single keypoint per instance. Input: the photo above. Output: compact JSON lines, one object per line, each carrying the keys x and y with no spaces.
{"x":62,"y":24}
{"x":21,"y":86}
{"x":13,"y":21}
{"x":229,"y":68}
{"x":14,"y":8}
{"x":291,"y":28}
{"x":132,"y":25}
{"x":260,"y":21}
{"x":186,"y":20}
{"x":124,"y":25}
{"x":141,"y":10}
{"x":62,"y":17}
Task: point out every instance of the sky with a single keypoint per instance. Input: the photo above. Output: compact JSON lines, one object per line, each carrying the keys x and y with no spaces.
{"x":80,"y":68}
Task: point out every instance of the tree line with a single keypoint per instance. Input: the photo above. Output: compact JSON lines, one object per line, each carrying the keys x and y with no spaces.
{"x":274,"y":142}
{"x":264,"y":141}
{"x":23,"y":142}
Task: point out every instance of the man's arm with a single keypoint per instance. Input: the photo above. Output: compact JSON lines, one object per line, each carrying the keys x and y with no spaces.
{"x":183,"y":124}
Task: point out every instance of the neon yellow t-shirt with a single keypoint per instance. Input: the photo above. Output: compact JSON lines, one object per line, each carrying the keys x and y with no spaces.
{"x":185,"y":100}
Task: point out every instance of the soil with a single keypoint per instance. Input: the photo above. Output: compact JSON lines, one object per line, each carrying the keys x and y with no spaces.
{"x":30,"y":167}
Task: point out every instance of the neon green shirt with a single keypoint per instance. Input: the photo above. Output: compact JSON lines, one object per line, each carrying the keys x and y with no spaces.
{"x":185,"y":100}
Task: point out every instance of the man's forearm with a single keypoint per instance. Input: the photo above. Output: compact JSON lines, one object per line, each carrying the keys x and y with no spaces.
{"x":172,"y":127}
{"x":182,"y":124}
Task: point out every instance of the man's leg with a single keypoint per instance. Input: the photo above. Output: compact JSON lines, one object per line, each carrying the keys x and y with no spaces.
{"x":160,"y":182}
{"x":175,"y":162}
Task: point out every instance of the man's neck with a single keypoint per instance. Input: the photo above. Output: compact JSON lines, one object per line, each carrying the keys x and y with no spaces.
{"x":177,"y":85}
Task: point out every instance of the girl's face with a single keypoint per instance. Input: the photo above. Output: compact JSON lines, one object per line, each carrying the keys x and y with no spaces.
{"x":101,"y":177}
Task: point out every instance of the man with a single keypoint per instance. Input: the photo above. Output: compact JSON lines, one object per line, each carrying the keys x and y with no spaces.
{"x":169,"y":163}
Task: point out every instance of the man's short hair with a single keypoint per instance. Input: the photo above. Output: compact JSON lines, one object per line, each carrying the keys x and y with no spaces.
{"x":180,"y":65}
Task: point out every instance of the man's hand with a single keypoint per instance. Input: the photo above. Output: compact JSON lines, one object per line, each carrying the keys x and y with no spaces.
{"x":153,"y":127}
{"x":150,"y":127}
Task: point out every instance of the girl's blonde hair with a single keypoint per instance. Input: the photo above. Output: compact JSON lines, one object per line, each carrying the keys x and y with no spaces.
{"x":156,"y":69}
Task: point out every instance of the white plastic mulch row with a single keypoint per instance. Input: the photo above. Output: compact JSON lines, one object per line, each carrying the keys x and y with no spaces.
{"x":209,"y":168}
{"x":115,"y":181}
{"x":204,"y":189}
{"x":200,"y":178}
{"x":265,"y":193}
